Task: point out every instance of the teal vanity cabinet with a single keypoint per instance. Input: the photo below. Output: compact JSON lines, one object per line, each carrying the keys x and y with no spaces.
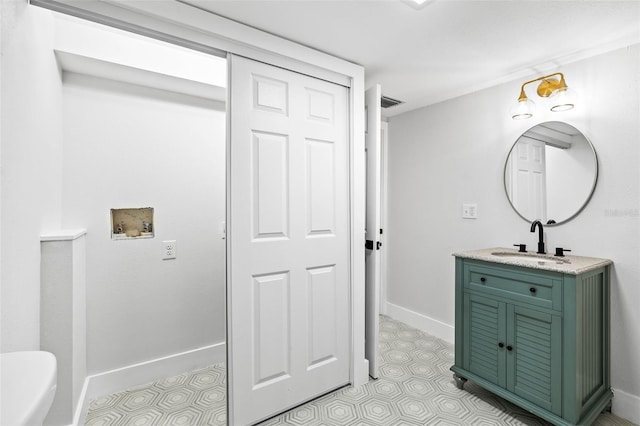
{"x":535,"y":332}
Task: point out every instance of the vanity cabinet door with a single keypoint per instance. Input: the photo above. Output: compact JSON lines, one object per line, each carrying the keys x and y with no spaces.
{"x":534,"y":356}
{"x":516,"y":348}
{"x":485,"y":338}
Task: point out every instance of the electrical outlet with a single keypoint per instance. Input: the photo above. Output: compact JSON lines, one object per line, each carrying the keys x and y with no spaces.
{"x":168,"y":249}
{"x":469,"y":211}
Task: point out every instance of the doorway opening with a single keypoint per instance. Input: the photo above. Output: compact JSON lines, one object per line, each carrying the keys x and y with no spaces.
{"x":144,"y":125}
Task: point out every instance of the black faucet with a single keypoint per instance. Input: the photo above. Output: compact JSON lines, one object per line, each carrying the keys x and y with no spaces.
{"x":540,"y":236}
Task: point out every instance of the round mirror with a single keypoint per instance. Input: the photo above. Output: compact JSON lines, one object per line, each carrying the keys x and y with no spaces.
{"x":550,"y":173}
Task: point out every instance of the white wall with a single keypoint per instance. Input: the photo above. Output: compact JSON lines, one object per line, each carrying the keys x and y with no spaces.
{"x":31,"y":165}
{"x":454,"y":152}
{"x":132,"y":145}
{"x":126,"y":147}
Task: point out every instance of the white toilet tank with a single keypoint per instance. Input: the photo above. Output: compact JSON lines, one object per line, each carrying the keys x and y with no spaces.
{"x":28,"y":385}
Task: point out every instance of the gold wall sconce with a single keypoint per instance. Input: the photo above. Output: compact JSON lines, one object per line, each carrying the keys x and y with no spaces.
{"x":551,"y":86}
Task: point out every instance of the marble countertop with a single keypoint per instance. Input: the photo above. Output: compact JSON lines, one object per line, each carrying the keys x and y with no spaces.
{"x":567,"y":264}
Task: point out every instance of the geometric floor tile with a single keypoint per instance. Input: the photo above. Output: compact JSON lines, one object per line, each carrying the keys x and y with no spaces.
{"x":189,"y":399}
{"x":415,"y":388}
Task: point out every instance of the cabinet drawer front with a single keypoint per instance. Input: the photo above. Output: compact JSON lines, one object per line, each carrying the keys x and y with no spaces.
{"x":519,"y":285}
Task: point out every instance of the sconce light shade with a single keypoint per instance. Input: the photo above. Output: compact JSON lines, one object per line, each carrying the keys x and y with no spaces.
{"x":563,"y":99}
{"x":522,"y":109}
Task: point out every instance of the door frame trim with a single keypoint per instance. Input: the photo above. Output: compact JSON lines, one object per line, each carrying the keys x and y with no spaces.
{"x":384,"y":222}
{"x":188,"y":26}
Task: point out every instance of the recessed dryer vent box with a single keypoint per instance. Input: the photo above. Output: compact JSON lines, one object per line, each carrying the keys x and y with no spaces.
{"x":129,"y":224}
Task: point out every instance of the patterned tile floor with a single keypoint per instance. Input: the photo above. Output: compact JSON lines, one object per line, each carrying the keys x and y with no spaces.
{"x":190,"y":399}
{"x":415,"y":388}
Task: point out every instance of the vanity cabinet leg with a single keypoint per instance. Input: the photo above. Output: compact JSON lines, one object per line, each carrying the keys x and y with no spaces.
{"x":460,"y":381}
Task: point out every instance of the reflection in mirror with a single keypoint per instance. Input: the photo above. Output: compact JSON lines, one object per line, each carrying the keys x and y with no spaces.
{"x":550,"y":173}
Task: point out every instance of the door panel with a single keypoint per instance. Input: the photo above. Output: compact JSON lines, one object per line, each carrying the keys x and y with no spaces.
{"x":271,"y":338}
{"x":288,"y":287}
{"x":322,"y":327}
{"x":321,"y":199}
{"x":484,"y":330}
{"x":534,"y":364}
{"x":271,"y":189}
{"x":529,"y":179}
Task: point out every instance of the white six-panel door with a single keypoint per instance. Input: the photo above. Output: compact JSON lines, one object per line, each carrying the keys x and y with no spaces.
{"x":529,"y":179}
{"x":288,"y":285}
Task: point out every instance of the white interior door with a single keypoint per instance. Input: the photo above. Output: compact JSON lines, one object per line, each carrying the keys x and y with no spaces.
{"x":529,"y":179}
{"x":289,"y":259}
{"x":372,"y":237}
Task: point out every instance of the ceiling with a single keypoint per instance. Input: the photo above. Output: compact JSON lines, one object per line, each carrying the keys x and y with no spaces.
{"x":448,"y":47}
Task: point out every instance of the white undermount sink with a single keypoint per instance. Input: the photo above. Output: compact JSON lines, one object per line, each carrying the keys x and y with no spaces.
{"x":536,"y":259}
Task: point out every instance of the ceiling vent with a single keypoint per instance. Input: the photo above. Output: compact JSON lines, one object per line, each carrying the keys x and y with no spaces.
{"x":387,"y":102}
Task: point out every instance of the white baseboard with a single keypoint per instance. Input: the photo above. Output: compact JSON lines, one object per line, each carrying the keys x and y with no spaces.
{"x":361,"y":375}
{"x":146,"y":372}
{"x":422,"y":322}
{"x":626,"y":406}
{"x":80,"y":415}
